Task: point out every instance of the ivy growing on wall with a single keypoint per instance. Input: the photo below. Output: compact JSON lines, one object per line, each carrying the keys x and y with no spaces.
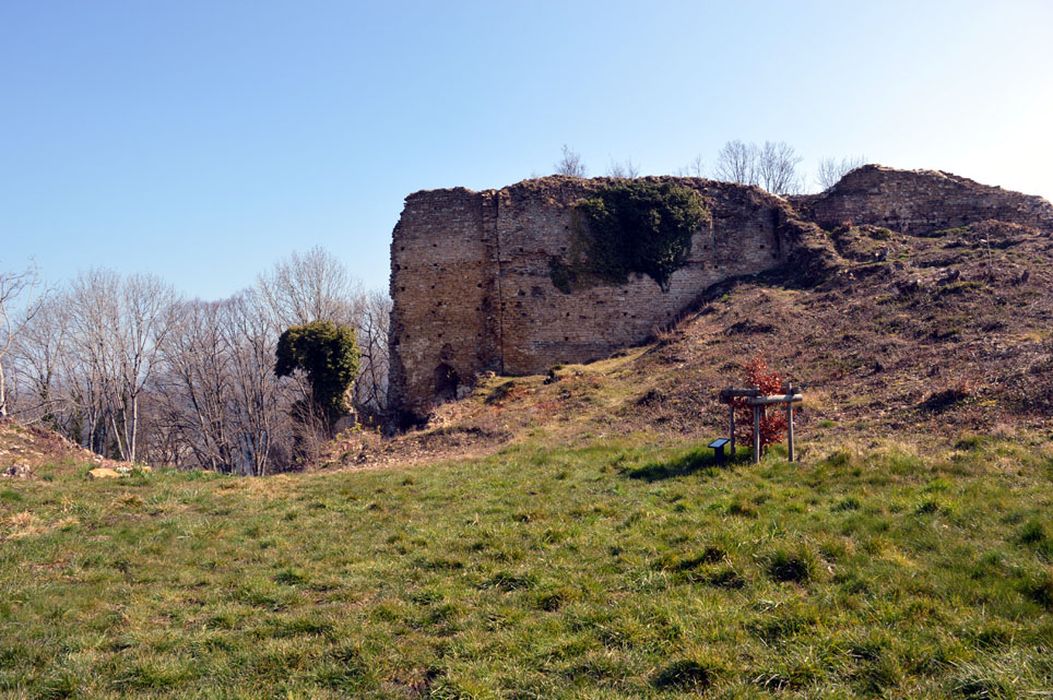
{"x":630,"y":227}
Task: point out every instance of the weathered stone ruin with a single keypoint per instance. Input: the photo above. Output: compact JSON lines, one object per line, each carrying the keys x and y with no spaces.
{"x":474,"y":289}
{"x":919,"y":202}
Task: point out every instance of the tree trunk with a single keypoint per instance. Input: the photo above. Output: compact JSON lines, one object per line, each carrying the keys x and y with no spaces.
{"x":3,"y":392}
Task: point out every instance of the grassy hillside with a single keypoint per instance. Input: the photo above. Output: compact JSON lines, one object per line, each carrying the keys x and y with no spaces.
{"x":576,"y":542}
{"x":909,"y":335}
{"x":625,"y":568}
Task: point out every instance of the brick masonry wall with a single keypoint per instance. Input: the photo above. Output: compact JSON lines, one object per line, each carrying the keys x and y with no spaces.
{"x":472,"y":287}
{"x":444,"y":325}
{"x":471,"y":284}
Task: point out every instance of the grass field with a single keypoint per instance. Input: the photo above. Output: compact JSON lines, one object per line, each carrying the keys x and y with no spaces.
{"x":622,"y":569}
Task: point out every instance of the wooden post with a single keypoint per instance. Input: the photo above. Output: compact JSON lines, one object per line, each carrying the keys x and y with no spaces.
{"x":731,"y":428}
{"x":789,"y":424}
{"x":756,"y":434}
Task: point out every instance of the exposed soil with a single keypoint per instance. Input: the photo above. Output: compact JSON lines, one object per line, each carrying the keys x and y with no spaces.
{"x":26,"y":448}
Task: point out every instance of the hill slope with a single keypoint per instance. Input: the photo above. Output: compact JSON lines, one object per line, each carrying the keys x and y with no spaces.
{"x":615,"y":570}
{"x":579,"y":542}
{"x":26,"y":450}
{"x":921,"y":336}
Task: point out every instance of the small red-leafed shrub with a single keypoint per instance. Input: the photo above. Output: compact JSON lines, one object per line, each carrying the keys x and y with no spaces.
{"x":756,"y":373}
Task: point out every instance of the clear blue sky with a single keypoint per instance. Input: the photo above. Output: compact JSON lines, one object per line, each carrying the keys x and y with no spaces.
{"x":203,"y":140}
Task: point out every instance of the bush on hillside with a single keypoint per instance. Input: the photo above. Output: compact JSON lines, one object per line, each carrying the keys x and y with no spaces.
{"x":756,"y":373}
{"x":329,"y":355}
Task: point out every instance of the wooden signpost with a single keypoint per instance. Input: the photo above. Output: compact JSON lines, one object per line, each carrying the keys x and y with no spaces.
{"x":759,"y":403}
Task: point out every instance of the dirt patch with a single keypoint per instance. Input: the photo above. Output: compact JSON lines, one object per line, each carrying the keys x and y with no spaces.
{"x":24,"y":449}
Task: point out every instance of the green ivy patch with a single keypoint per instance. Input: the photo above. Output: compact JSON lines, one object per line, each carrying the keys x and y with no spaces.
{"x":630,"y":227}
{"x":328,"y":354}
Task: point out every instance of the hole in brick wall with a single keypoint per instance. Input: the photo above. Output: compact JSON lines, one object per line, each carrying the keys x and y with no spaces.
{"x":402,"y":248}
{"x":479,"y":286}
{"x":446,"y":381}
{"x":566,"y":338}
{"x":402,"y":289}
{"x":762,"y":246}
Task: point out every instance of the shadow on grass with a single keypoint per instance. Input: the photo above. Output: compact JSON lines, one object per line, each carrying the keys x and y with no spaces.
{"x":698,"y":461}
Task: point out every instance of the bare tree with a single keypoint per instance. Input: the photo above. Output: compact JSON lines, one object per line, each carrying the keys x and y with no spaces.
{"x":261,"y":400}
{"x":37,"y":359}
{"x":738,"y":162}
{"x":15,"y":287}
{"x":371,"y":389}
{"x":311,"y":286}
{"x":195,"y":386}
{"x":127,"y":369}
{"x":693,"y":169}
{"x":773,"y":166}
{"x":120,"y":326}
{"x":570,"y":164}
{"x":831,"y":170}
{"x":777,"y":168}
{"x":627,"y":170}
{"x":315,"y":286}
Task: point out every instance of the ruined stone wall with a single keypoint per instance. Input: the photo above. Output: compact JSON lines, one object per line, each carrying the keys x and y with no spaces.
{"x":542,"y":326}
{"x":471,"y":271}
{"x":444,"y":325}
{"x":472,"y":288}
{"x":919,"y":201}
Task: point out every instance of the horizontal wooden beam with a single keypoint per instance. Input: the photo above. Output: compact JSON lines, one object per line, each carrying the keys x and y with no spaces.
{"x":776,"y":398}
